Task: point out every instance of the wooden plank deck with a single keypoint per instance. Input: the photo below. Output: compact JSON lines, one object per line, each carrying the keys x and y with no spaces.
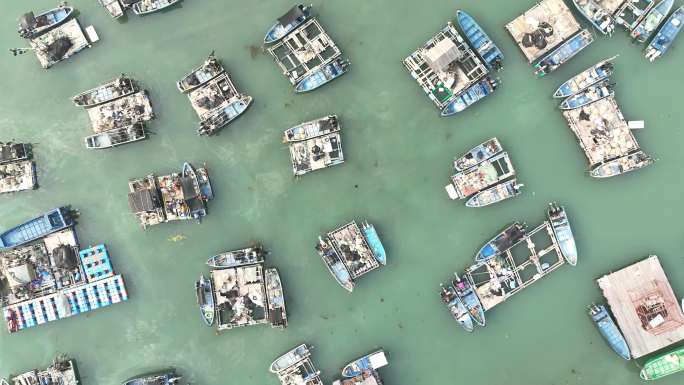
{"x":626,"y":288}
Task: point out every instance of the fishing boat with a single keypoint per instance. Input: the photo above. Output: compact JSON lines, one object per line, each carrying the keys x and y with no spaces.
{"x":144,"y":7}
{"x":113,"y":89}
{"x":277,"y":313}
{"x":456,"y":307}
{"x":374,"y":242}
{"x":210,"y":69}
{"x":480,"y":41}
{"x":470,"y":96}
{"x":116,"y":137}
{"x":663,"y":365}
{"x":494,"y":194}
{"x":665,"y":36}
{"x":563,"y":53}
{"x":507,"y":238}
{"x":563,"y":232}
{"x":165,"y":377}
{"x":290,"y":359}
{"x":311,"y":129}
{"x":323,"y":75}
{"x":287,"y":22}
{"x":14,"y":152}
{"x":482,"y":176}
{"x":478,"y":154}
{"x":610,"y":332}
{"x":211,"y":124}
{"x":597,"y":15}
{"x":36,"y":228}
{"x":624,"y":164}
{"x":235,"y":258}
{"x":590,"y":95}
{"x":205,"y":299}
{"x":113,"y":7}
{"x":650,"y":23}
{"x":592,"y":75}
{"x":470,"y":299}
{"x":335,"y":266}
{"x":369,"y":362}
{"x":31,"y":25}
{"x":202,"y":186}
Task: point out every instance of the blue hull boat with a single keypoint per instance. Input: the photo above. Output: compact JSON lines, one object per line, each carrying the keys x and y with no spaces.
{"x":590,"y":95}
{"x":597,"y":16}
{"x":470,"y":300}
{"x":494,"y":194}
{"x":478,"y":154}
{"x":288,"y":22}
{"x":507,"y":238}
{"x":224,"y":116}
{"x":48,"y":223}
{"x":335,"y":265}
{"x":609,"y":331}
{"x":472,"y":95}
{"x":31,"y":26}
{"x":665,"y":36}
{"x":650,"y":23}
{"x":563,"y":232}
{"x":325,"y":74}
{"x":457,"y":308}
{"x":563,"y":53}
{"x":375,"y":243}
{"x":369,"y":362}
{"x":592,"y":75}
{"x":480,"y":41}
{"x":205,"y":299}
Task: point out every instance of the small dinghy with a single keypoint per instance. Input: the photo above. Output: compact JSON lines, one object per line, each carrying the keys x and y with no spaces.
{"x":287,"y":22}
{"x":650,"y":23}
{"x":470,"y":299}
{"x":507,"y":238}
{"x":31,"y":26}
{"x":113,"y":89}
{"x":235,"y":258}
{"x":210,"y":69}
{"x":590,"y":95}
{"x":311,"y":129}
{"x":494,"y":194}
{"x":144,"y":7}
{"x":325,"y":74}
{"x":205,"y":300}
{"x":456,"y":307}
{"x":610,"y":332}
{"x":592,"y":75}
{"x":665,"y":36}
{"x":116,"y":137}
{"x":478,"y":154}
{"x":369,"y":362}
{"x":563,"y":232}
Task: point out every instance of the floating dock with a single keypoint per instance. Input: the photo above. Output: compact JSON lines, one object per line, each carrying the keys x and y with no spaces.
{"x":62,"y":372}
{"x":121,"y":112}
{"x":59,"y":43}
{"x":644,"y":305}
{"x":353,"y":249}
{"x":315,"y":153}
{"x":18,"y":176}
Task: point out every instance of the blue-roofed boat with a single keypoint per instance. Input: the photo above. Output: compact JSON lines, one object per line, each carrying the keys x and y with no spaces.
{"x":494,"y":194}
{"x":480,"y":41}
{"x":31,"y":26}
{"x":592,"y":75}
{"x":369,"y":362}
{"x":457,"y":308}
{"x":563,"y":53}
{"x":650,"y":23}
{"x":48,"y":223}
{"x":472,"y":95}
{"x":507,"y":238}
{"x":374,"y":242}
{"x":609,"y":330}
{"x":665,"y":36}
{"x":470,"y":299}
{"x":590,"y":95}
{"x":166,"y":377}
{"x":563,"y":232}
{"x":335,"y":265}
{"x":597,"y":15}
{"x":205,"y":299}
{"x":323,"y":75}
{"x":287,"y":22}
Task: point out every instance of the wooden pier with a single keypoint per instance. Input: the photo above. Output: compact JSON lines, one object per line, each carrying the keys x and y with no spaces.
{"x":644,"y":306}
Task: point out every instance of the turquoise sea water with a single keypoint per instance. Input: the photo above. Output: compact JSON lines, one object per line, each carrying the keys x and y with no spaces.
{"x":398,"y":155}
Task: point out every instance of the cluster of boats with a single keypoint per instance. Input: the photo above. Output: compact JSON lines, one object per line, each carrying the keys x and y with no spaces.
{"x":118,"y":110}
{"x":117,"y":8}
{"x":240,"y":292}
{"x":62,"y":371}
{"x":17,"y":168}
{"x":453,"y":72}
{"x":213,"y":96}
{"x":351,"y":251}
{"x":484,"y":175}
{"x":297,"y":368}
{"x":306,"y":54}
{"x":315,"y":145}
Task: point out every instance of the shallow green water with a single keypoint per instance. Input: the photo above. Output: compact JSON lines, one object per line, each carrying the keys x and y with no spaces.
{"x":398,"y":155}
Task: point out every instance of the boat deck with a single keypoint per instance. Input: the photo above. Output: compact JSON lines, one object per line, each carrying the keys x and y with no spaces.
{"x":18,"y":176}
{"x":240,"y":294}
{"x":304,"y":50}
{"x":501,"y":277}
{"x":445,"y":66}
{"x":553,"y":12}
{"x":316,"y":153}
{"x":644,"y":306}
{"x":601,"y":131}
{"x":46,"y":46}
{"x":174,"y":199}
{"x":353,"y":249}
{"x":144,"y":201}
{"x":122,"y":112}
{"x":214,"y":95}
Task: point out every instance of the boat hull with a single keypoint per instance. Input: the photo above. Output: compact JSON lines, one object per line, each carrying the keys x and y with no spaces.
{"x":36,"y":228}
{"x":609,"y":331}
{"x":324,"y":75}
{"x":48,"y":20}
{"x":374,"y":242}
{"x":290,"y":359}
{"x":589,"y":95}
{"x":371,"y":361}
{"x":478,"y":154}
{"x":478,"y":39}
{"x":224,"y":116}
{"x":563,"y":53}
{"x":628,"y":163}
{"x":209,"y":70}
{"x":495,"y":194}
{"x":157,"y":6}
{"x":563,"y":233}
{"x":335,"y":266}
{"x":166,"y":377}
{"x":507,"y":238}
{"x":596,"y":73}
{"x":279,"y":31}
{"x":597,"y":16}
{"x":650,"y":23}
{"x":667,"y":33}
{"x":205,"y":299}
{"x":472,"y":95}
